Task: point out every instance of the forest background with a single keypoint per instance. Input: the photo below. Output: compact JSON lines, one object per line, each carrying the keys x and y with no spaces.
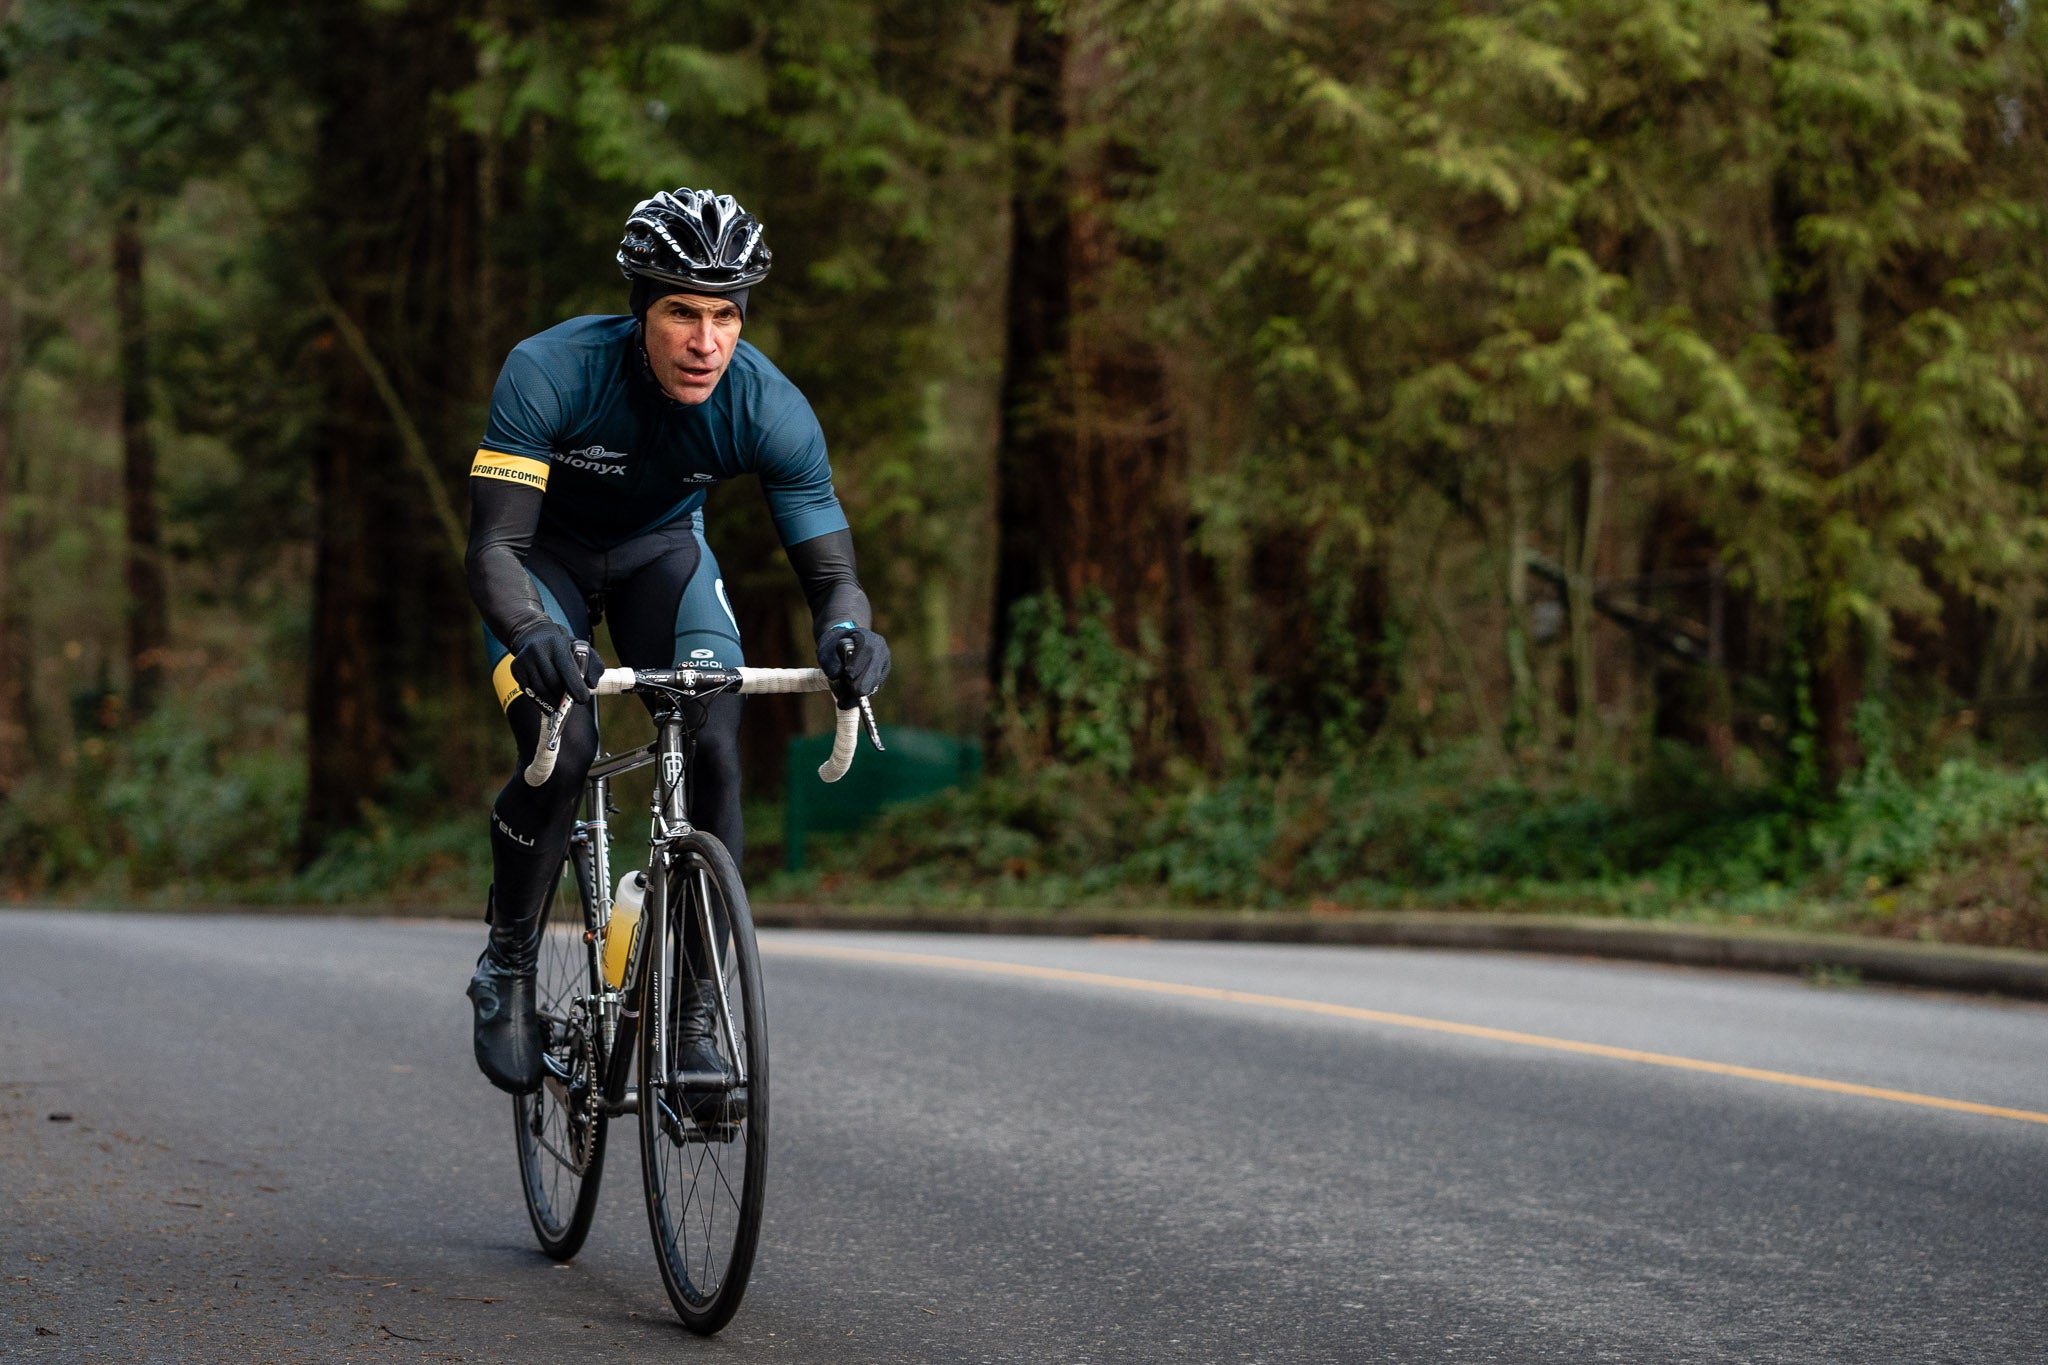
{"x":1580,"y":455}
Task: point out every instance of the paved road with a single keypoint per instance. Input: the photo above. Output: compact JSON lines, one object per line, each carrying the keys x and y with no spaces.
{"x":280,"y":1151}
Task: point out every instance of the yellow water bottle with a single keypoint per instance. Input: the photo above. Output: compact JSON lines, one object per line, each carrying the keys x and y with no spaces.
{"x":622,"y":935}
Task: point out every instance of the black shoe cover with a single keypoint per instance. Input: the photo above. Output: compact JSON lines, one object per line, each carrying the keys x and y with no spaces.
{"x":508,"y":1041}
{"x":696,"y":1061}
{"x":706,"y":1086}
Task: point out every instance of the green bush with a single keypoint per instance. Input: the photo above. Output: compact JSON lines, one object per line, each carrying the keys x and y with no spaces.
{"x":1414,"y":832}
{"x":202,"y":801}
{"x":197,"y":800}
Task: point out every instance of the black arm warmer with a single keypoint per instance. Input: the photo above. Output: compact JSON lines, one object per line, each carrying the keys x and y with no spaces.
{"x":824,"y":566}
{"x":502,"y":518}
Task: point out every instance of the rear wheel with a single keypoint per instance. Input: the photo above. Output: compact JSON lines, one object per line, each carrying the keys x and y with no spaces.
{"x":559,"y":1129}
{"x":703,"y":1145}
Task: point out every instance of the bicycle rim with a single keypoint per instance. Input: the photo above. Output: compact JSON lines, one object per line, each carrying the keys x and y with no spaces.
{"x":559,"y":1132}
{"x":704,"y":1153}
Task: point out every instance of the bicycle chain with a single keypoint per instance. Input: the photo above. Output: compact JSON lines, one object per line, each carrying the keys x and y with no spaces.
{"x":586,"y":1125}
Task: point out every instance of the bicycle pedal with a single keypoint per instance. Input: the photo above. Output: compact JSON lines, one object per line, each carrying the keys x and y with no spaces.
{"x":723,"y":1105}
{"x":720,"y":1123}
{"x":701,"y":1080}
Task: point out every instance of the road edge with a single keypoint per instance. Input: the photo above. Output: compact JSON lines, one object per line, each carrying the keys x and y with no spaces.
{"x":2013,"y":972}
{"x":1953,"y":967}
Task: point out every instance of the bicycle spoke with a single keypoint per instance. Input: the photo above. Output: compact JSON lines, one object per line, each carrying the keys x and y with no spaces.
{"x":702,"y":1153}
{"x":561,"y":1138}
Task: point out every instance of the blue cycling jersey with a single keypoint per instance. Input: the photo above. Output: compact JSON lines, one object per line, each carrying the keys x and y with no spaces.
{"x":576,"y":414}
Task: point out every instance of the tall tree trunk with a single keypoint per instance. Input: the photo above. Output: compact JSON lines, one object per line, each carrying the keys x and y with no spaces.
{"x":13,"y":647}
{"x":1037,"y":431}
{"x":1523,"y":701}
{"x":399,"y":194}
{"x":1817,"y":302}
{"x":148,"y":609}
{"x":1091,"y":471}
{"x":350,"y":721}
{"x":1582,"y":550}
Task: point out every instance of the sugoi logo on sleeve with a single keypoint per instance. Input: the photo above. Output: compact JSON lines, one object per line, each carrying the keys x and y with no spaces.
{"x":596,"y":459}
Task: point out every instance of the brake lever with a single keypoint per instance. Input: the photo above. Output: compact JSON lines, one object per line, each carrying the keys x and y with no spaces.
{"x":867,"y":712}
{"x":557,"y":720}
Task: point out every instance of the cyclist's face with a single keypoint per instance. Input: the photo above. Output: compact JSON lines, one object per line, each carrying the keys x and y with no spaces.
{"x":689,"y":343}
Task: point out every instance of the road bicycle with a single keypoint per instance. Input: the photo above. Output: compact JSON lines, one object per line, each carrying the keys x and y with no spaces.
{"x":611,"y":993}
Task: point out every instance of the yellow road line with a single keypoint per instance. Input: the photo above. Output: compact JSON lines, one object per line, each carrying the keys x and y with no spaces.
{"x":787,"y":948}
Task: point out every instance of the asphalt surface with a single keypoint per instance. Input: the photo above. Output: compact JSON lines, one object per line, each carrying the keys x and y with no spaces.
{"x":278,"y":1149}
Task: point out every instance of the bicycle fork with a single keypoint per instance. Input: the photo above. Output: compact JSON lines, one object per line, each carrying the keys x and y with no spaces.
{"x":671,"y":824}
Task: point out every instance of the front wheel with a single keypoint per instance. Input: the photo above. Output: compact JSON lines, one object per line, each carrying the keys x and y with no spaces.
{"x":703,"y":1133}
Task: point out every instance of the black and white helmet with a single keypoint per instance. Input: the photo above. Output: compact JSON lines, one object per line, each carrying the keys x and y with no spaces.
{"x":697,"y":239}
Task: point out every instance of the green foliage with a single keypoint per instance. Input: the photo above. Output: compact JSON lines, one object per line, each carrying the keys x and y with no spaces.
{"x":1068,"y":689}
{"x":201,"y":799}
{"x":1641,"y":287}
{"x":1420,"y":834}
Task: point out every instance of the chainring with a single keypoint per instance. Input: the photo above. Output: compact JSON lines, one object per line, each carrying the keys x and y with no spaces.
{"x":575,"y":1046}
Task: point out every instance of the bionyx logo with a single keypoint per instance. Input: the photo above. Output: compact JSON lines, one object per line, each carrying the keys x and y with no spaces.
{"x":596,"y":459}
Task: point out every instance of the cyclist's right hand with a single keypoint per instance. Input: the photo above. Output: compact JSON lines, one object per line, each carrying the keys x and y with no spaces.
{"x":548,"y":664}
{"x":854,"y":660}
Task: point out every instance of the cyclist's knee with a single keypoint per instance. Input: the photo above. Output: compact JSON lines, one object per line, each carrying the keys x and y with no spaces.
{"x":578,"y":748}
{"x":718,"y":743}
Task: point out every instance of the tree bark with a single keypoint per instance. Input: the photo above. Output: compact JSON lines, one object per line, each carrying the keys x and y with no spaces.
{"x":1091,"y":469}
{"x":1583,"y":554}
{"x":1817,"y":308}
{"x":397,"y":187}
{"x":148,"y":607}
{"x":1036,"y":434}
{"x":13,"y":645}
{"x":1522,"y":689}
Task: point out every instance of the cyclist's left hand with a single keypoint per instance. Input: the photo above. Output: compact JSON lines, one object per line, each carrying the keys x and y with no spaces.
{"x":857,"y":672}
{"x":548,"y":664}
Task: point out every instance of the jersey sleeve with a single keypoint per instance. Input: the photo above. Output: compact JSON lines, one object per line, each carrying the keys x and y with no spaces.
{"x":526,"y":416}
{"x":796,"y":476}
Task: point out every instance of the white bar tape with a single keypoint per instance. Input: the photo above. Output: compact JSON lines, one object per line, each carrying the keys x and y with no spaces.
{"x":752,"y":680}
{"x":783,"y":680}
{"x":543,"y":766}
{"x":843,"y":745}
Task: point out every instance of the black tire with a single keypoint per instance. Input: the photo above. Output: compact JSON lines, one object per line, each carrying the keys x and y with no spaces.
{"x":704,"y":1156}
{"x":558,"y":1131}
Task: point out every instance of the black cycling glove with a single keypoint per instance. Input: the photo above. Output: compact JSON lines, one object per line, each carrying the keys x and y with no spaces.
{"x":855,"y":672}
{"x":548,"y":663}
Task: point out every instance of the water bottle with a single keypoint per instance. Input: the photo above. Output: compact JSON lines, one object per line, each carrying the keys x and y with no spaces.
{"x":622,"y":935}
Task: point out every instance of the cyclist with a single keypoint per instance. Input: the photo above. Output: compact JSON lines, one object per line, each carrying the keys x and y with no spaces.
{"x":587,"y":500}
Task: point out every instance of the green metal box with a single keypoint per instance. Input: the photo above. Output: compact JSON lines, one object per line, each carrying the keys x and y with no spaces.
{"x":916,"y":763}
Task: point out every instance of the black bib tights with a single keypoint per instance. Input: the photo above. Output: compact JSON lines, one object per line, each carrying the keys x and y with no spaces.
{"x":656,"y":622}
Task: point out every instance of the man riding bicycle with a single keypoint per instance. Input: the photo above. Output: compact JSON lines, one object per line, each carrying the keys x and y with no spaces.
{"x":587,"y":501}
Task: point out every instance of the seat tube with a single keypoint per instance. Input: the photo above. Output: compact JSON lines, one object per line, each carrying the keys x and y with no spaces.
{"x":599,"y":826}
